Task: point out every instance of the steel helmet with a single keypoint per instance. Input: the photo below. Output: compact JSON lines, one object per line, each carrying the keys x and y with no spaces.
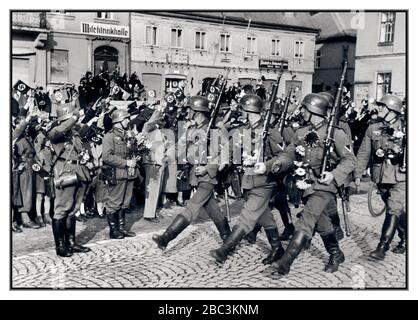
{"x":251,"y":103}
{"x":329,"y":97}
{"x":199,"y":104}
{"x":392,"y":102}
{"x":119,"y":115}
{"x":316,"y":104}
{"x":65,"y":111}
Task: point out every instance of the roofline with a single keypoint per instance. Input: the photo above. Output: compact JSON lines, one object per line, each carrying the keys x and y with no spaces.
{"x":232,"y":21}
{"x":337,"y":37}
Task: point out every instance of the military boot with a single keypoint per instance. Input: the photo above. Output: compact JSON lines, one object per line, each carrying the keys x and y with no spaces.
{"x":58,"y":230}
{"x":252,"y":236}
{"x":388,"y":231}
{"x":294,"y":248}
{"x":71,"y":243}
{"x":174,"y":229}
{"x":289,"y":228}
{"x":400,"y":248}
{"x":122,"y":225}
{"x":234,"y":238}
{"x":336,"y":255}
{"x":277,"y":250}
{"x":112,"y":220}
{"x":223,"y":228}
{"x":287,"y":232}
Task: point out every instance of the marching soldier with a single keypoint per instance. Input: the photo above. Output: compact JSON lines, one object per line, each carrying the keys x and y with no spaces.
{"x":332,"y":208}
{"x":203,"y":176}
{"x":258,"y":189}
{"x":71,"y":178}
{"x":121,"y":174}
{"x":383,"y":144}
{"x":307,"y":148}
{"x":279,"y":199}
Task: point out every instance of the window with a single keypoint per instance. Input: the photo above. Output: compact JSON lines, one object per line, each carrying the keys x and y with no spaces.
{"x":20,"y":70}
{"x":383,"y":84}
{"x":251,"y":45}
{"x":387,"y":27}
{"x":275,"y":47}
{"x":176,"y":38}
{"x":318,"y":59}
{"x":200,"y":43}
{"x":151,"y":36}
{"x":105,"y":15}
{"x":299,"y":48}
{"x":59,"y":66}
{"x":225,"y":45}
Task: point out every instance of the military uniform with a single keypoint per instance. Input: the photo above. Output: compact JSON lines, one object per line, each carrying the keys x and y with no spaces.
{"x":119,"y":194}
{"x":383,"y":145}
{"x":258,"y":188}
{"x":318,"y":196}
{"x":205,"y":184}
{"x":67,"y":146}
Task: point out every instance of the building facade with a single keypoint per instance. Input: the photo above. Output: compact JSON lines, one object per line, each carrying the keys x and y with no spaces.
{"x":335,"y":44}
{"x":168,"y":48}
{"x":56,"y":48}
{"x":29,"y":36}
{"x":381,"y":55}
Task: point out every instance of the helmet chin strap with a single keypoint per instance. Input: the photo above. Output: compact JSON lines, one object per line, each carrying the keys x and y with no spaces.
{"x":390,"y":121}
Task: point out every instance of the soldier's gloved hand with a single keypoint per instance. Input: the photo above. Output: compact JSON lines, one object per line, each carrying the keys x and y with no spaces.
{"x":260,"y":168}
{"x":200,"y":171}
{"x":326,"y":178}
{"x":130,"y":163}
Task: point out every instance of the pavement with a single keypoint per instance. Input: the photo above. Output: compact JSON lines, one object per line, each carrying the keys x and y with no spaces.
{"x":138,"y":263}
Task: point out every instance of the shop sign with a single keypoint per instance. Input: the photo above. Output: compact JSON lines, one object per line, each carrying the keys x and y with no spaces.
{"x":273,"y":64}
{"x":105,"y":30}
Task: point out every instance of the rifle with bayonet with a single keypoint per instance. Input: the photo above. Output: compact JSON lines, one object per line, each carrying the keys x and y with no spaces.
{"x":332,"y":123}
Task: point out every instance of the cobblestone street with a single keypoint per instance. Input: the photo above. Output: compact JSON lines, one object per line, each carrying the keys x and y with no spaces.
{"x":138,"y":263}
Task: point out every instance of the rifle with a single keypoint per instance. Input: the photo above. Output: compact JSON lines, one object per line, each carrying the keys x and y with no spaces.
{"x":222,"y":81}
{"x":285,"y":109}
{"x":329,"y":140}
{"x":267,"y":118}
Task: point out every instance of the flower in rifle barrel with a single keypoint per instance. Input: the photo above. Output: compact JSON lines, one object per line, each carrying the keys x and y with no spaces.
{"x":300,"y":172}
{"x":380,"y":153}
{"x":298,"y":163}
{"x":84,"y":156}
{"x":398,"y":134}
{"x":311,"y":139}
{"x":303,"y":184}
{"x":397,"y":149}
{"x":300,"y":150}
